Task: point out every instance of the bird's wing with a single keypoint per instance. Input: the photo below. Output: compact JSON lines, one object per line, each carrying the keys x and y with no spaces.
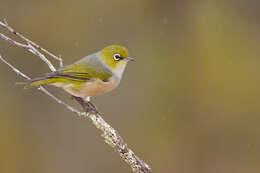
{"x":69,"y":75}
{"x":79,"y":72}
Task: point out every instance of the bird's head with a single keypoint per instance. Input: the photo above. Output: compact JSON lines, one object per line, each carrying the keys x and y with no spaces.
{"x":116,"y":58}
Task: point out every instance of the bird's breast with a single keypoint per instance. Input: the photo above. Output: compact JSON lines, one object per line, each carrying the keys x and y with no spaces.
{"x":93,"y":87}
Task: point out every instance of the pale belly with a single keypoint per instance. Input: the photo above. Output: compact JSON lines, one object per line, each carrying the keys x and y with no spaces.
{"x":92,"y":88}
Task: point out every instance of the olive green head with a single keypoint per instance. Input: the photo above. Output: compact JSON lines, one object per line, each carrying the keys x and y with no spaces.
{"x":115,"y":56}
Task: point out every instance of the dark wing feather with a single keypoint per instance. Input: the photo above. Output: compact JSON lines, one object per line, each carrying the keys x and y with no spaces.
{"x":69,"y":75}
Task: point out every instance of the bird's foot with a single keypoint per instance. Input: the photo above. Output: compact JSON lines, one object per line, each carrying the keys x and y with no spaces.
{"x":91,"y":108}
{"x":87,"y":105}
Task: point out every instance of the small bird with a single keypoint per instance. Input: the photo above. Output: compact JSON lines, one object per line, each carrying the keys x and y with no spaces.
{"x":92,"y":75}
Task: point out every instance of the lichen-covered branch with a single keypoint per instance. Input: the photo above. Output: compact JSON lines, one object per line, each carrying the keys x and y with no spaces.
{"x":110,"y":135}
{"x":113,"y":139}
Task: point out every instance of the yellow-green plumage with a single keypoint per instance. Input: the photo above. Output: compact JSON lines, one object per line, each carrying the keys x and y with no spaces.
{"x":53,"y":81}
{"x":92,"y":75}
{"x":110,"y":51}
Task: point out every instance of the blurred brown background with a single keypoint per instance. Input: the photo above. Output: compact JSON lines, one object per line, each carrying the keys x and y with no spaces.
{"x":189,"y":104}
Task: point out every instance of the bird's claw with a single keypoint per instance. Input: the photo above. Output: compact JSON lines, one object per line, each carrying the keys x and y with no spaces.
{"x":91,"y":108}
{"x":87,"y":105}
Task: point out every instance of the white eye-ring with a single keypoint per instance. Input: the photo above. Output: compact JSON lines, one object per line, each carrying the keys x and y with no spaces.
{"x":117,"y":57}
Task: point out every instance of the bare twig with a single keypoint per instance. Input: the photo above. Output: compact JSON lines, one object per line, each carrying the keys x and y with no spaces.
{"x":42,"y":88}
{"x":43,"y":58}
{"x":5,"y":25}
{"x":29,"y":48}
{"x":14,"y":69}
{"x":110,"y":135}
{"x":13,"y":42}
{"x":61,"y":61}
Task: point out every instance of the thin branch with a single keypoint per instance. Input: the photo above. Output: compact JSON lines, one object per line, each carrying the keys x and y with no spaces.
{"x":42,"y":88}
{"x":110,"y":135}
{"x":81,"y":114}
{"x":13,"y":42}
{"x":5,"y":25}
{"x":43,"y":58}
{"x":29,"y":48}
{"x":61,"y":61}
{"x":14,"y":69}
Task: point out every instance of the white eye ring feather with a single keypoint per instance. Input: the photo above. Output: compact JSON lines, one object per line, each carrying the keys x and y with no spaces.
{"x":117,"y":57}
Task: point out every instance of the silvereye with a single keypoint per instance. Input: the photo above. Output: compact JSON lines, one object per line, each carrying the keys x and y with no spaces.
{"x":92,"y":75}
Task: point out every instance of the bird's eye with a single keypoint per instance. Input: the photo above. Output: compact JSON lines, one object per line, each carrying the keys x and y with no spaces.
{"x":117,"y":57}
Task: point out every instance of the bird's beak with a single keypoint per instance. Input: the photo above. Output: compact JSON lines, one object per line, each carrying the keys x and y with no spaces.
{"x":129,"y":59}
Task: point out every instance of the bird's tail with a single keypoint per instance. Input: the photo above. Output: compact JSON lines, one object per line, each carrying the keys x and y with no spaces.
{"x":35,"y":82}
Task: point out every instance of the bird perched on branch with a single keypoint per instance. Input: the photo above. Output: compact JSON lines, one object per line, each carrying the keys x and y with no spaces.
{"x":92,"y":75}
